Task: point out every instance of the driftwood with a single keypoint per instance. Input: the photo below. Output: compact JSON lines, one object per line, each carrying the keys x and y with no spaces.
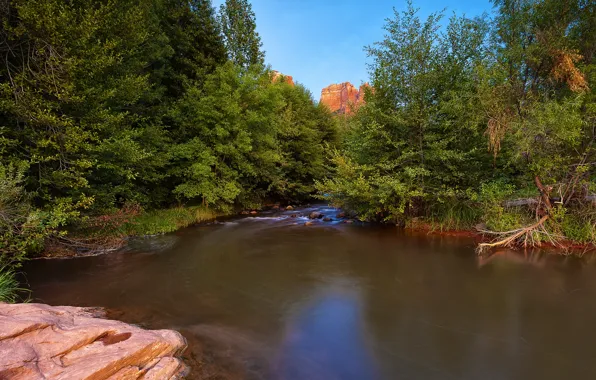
{"x":525,"y":236}
{"x":521,"y":236}
{"x":521,"y":202}
{"x":533,"y":201}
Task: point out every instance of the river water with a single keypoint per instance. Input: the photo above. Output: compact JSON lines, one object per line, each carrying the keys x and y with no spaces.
{"x":266,"y":297}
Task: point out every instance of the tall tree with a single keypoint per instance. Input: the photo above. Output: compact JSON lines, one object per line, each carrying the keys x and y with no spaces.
{"x":238,"y":23}
{"x":196,"y":40}
{"x":74,"y":84}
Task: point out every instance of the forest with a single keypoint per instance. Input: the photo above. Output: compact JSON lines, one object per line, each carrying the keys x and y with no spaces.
{"x":120,"y":117}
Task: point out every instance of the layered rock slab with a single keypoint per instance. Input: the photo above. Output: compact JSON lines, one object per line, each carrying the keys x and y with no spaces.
{"x":45,"y":342}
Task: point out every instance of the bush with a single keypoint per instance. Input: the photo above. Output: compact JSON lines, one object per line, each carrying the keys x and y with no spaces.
{"x":496,"y":217}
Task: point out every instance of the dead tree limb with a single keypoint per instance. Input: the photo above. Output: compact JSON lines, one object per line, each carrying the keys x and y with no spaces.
{"x":515,"y":236}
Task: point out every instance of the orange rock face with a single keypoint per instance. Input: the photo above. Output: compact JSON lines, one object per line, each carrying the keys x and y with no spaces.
{"x":344,"y":98}
{"x":277,"y":76}
{"x":360,"y":98}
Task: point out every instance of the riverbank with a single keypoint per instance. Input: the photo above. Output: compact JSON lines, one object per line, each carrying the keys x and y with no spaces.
{"x":105,"y":233}
{"x":561,"y":245}
{"x":110,"y":232}
{"x":101,"y":234}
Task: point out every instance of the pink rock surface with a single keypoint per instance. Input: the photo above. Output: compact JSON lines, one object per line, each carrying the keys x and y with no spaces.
{"x":45,"y":342}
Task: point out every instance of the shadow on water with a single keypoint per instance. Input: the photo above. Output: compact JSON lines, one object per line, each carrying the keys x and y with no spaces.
{"x":266,"y":297}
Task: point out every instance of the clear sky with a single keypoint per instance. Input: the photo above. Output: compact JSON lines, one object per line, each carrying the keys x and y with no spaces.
{"x":320,"y":42}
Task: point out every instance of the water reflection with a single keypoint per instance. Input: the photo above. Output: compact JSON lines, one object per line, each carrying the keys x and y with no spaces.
{"x":534,"y":257}
{"x":325,"y":338}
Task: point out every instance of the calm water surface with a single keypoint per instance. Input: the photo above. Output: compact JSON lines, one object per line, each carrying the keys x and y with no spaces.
{"x":269,"y":298}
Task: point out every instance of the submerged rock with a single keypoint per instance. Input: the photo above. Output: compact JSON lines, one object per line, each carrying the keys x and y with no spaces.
{"x":327,"y":220}
{"x":45,"y":342}
{"x":308,"y":224}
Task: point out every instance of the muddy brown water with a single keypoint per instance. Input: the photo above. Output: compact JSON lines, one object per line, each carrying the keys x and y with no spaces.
{"x":268,"y":298}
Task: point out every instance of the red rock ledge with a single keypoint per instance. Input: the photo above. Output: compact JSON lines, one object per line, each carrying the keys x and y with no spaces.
{"x":46,"y":342}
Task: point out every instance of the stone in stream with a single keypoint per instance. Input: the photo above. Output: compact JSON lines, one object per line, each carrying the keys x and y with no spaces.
{"x":315,"y":215}
{"x":289,"y":208}
{"x":308,"y":224}
{"x":327,"y":220}
{"x":62,"y":342}
{"x":341,"y":215}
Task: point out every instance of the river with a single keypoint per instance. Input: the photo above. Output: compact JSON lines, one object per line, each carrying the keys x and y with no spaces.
{"x":266,"y":297}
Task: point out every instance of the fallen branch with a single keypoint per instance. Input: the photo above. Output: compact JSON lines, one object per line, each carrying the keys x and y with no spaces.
{"x":520,"y":235}
{"x":533,"y":201}
{"x":521,"y":202}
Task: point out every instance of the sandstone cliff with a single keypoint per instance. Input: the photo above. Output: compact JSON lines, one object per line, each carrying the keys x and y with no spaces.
{"x":277,"y":76}
{"x":343,"y":98}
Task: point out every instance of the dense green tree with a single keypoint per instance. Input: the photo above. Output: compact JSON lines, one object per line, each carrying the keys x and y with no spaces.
{"x":419,"y":138}
{"x":73,"y":89}
{"x":238,"y":23}
{"x":195,"y":37}
{"x":216,"y":141}
{"x":244,"y":139}
{"x":521,"y":85}
{"x":307,"y":133}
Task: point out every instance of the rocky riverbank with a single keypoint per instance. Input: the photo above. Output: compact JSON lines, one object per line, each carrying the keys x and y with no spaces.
{"x":47,"y":342}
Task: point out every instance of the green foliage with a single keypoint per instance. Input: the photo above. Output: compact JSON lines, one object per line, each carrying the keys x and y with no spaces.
{"x":168,"y":220}
{"x":497,"y":217}
{"x":120,"y":103}
{"x":305,"y":134}
{"x":9,"y":286}
{"x":195,"y":38}
{"x":23,"y":229}
{"x":419,"y":138}
{"x":243,"y":139}
{"x":579,"y":229}
{"x":455,"y":213}
{"x":520,"y":84}
{"x":238,"y":23}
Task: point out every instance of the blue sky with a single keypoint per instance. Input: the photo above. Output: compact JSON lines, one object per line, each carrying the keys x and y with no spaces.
{"x":320,"y":42}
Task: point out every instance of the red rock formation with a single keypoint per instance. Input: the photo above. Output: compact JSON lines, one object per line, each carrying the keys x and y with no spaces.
{"x":277,"y":76}
{"x":360,"y":98}
{"x":61,"y":342}
{"x":344,"y":98}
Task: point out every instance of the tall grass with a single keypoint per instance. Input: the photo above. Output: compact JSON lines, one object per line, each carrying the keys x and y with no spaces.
{"x":456,"y":215}
{"x":9,"y":286}
{"x":167,"y":220}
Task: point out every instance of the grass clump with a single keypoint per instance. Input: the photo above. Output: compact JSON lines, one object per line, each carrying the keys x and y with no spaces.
{"x":9,"y":286}
{"x":167,"y":220}
{"x":453,"y":215}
